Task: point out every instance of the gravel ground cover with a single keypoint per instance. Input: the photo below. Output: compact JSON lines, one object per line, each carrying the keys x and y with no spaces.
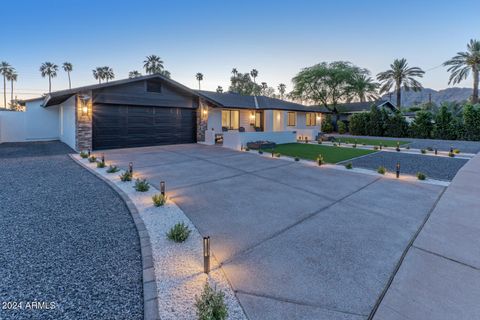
{"x":441,"y":168}
{"x":67,"y":239}
{"x":178,"y":266}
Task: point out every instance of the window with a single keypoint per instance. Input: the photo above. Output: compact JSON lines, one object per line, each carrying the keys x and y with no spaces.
{"x":258,"y":119}
{"x":311,"y":119}
{"x":292,"y":119}
{"x":154,"y":86}
{"x":231,"y":119}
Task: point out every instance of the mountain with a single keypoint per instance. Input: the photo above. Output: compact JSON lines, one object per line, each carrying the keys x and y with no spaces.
{"x":410,"y":98}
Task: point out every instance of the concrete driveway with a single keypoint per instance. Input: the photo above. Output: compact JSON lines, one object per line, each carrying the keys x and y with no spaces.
{"x":296,"y":241}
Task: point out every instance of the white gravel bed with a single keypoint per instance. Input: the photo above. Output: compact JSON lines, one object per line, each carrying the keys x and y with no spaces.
{"x":178,"y":266}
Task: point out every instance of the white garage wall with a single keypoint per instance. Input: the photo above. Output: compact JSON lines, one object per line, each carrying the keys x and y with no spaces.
{"x":41,"y":123}
{"x":12,"y":126}
{"x":67,"y":122}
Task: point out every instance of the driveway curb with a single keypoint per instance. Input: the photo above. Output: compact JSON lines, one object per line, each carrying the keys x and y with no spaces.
{"x":150,"y":297}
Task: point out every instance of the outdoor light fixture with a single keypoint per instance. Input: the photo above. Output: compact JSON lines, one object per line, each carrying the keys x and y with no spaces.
{"x":103,"y":158}
{"x":436,"y":151}
{"x":162,"y":188}
{"x":206,"y":254}
{"x":89,"y":153}
{"x":398,"y":170}
{"x":451,"y":149}
{"x":205,"y":111}
{"x":130,"y":167}
{"x":84,"y":101}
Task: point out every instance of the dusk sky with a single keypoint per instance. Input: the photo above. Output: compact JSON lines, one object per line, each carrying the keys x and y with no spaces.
{"x":278,"y":38}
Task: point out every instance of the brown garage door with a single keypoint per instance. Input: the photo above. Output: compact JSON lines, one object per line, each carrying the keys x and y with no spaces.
{"x":119,"y":126}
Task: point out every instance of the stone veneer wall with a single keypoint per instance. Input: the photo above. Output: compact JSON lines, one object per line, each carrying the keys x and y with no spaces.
{"x":202,"y":121}
{"x":83,"y":126}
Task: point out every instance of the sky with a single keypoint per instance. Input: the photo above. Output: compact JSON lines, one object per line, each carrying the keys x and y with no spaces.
{"x":278,"y":38}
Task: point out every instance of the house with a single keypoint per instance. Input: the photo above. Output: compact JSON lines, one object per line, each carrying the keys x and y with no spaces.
{"x":347,"y":109}
{"x":154,"y":110}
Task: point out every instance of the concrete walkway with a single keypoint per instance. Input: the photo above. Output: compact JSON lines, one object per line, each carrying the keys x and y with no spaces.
{"x":440,"y":275}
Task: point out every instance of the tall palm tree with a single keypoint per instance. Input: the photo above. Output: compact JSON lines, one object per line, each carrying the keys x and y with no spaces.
{"x":234,"y":72}
{"x":464,"y":62}
{"x":98,"y":74}
{"x":254,"y":74}
{"x":4,"y":70}
{"x":12,"y":77}
{"x":264,"y":87}
{"x":68,"y":67}
{"x":400,"y":74}
{"x":153,"y":64}
{"x":282,"y":88}
{"x":108,"y":73}
{"x":49,"y":69}
{"x":219,"y":89}
{"x":363,"y":87}
{"x":199,"y":77}
{"x":134,"y":74}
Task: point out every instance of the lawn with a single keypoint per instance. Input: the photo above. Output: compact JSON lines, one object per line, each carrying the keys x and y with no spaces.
{"x":311,"y":152}
{"x":371,"y":142}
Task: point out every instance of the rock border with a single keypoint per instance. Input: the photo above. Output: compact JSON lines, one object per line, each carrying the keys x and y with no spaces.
{"x":150,"y":297}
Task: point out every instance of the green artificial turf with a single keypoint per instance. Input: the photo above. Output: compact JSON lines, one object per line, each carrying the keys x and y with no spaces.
{"x":311,"y":151}
{"x":371,"y":142}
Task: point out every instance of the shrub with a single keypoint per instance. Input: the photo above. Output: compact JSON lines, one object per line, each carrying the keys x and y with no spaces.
{"x":396,"y":126}
{"x":407,"y":147}
{"x":375,"y":147}
{"x":260,"y":151}
{"x":423,"y":151}
{"x":319,"y":141}
{"x":100,"y":164}
{"x":327,"y":125}
{"x":84,"y":155}
{"x":342,"y":127}
{"x":471,"y":122}
{"x":375,"y":125}
{"x":179,"y":232}
{"x":430,"y":149}
{"x":159,"y":200}
{"x":381,"y":170}
{"x":451,"y":154}
{"x":141,"y":185}
{"x":456,"y":151}
{"x":297,"y":159}
{"x":92,"y":159}
{"x":277,"y":155}
{"x":358,"y":123}
{"x":247,"y":149}
{"x":320,"y":160}
{"x":444,"y":127}
{"x":398,"y":147}
{"x":126,"y":176}
{"x":112,"y":169}
{"x":349,"y":165}
{"x":421,"y":176}
{"x":422,"y":125}
{"x":211,"y":304}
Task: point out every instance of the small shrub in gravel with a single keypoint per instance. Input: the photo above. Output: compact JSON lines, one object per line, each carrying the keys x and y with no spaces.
{"x":423,"y":151}
{"x":407,"y":147}
{"x":92,"y":159}
{"x":159,"y":200}
{"x":100,"y":164}
{"x":349,"y":165}
{"x":381,"y":170}
{"x":456,"y":151}
{"x":126,"y":176}
{"x":247,"y":149}
{"x":112,"y":169}
{"x":320,"y":160}
{"x":375,"y":148}
{"x":398,"y":147}
{"x":421,"y":176}
{"x":319,"y":141}
{"x":211,"y":304}
{"x":141,"y":185}
{"x":430,"y":149}
{"x":179,"y":232}
{"x":297,"y":159}
{"x":260,"y":151}
{"x":277,"y":155}
{"x":451,"y":154}
{"x":84,"y":155}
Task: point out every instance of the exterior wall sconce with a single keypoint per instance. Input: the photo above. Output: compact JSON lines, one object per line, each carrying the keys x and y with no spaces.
{"x":84,"y":104}
{"x":130,"y":167}
{"x":398,"y":170}
{"x":162,"y":188}
{"x":206,"y":254}
{"x":205,"y":111}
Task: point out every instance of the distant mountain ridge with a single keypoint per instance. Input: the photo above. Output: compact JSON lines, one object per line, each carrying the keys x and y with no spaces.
{"x":410,"y":98}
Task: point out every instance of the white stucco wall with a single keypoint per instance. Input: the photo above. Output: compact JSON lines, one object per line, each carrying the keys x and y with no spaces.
{"x":67,"y":122}
{"x":41,"y":123}
{"x":12,"y":126}
{"x":235,"y":140}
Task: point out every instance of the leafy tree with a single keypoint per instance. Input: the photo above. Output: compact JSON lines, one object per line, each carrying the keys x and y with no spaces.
{"x":153,"y":64}
{"x":134,"y":74}
{"x":358,"y":123}
{"x":422,"y":125}
{"x":49,"y":69}
{"x":281,"y":89}
{"x":444,"y":127}
{"x":463,"y":63}
{"x":396,"y":126}
{"x":68,"y":67}
{"x":327,"y":125}
{"x":199,"y":77}
{"x":400,"y":74}
{"x":363,"y":87}
{"x":375,"y":125}
{"x":219,"y":89}
{"x":243,"y":84}
{"x":471,"y":122}
{"x":254,"y":74}
{"x":12,"y":77}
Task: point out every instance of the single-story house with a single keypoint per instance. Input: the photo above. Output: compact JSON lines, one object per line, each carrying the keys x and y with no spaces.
{"x":348,"y":109}
{"x":155,"y":110}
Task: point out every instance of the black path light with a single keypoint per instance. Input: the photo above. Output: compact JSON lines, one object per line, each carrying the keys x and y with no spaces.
{"x":206,"y":254}
{"x":436,"y":151}
{"x":398,"y":170}
{"x":162,"y":188}
{"x":130,"y":167}
{"x":103,"y":158}
{"x":89,"y":152}
{"x":451,"y":149}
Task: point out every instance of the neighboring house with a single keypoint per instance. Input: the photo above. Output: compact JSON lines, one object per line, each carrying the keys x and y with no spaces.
{"x":347,"y":109}
{"x":154,"y":110}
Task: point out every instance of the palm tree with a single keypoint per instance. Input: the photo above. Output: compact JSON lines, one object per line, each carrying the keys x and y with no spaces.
{"x":254,"y":74}
{"x":68,"y":67}
{"x":264,"y":87}
{"x":464,"y":62}
{"x":134,"y":74}
{"x":108,"y":73}
{"x":153,"y":64}
{"x":98,"y":74}
{"x":282,"y":88}
{"x":219,"y":89}
{"x":234,"y":72}
{"x":4,"y":70}
{"x":400,"y":75}
{"x":49,"y":69}
{"x":12,"y":77}
{"x":199,"y":77}
{"x":363,"y":87}
{"x":165,"y":73}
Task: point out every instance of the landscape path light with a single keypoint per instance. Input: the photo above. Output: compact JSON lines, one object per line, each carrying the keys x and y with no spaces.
{"x":398,"y":170}
{"x":103,"y":158}
{"x":162,"y":188}
{"x":130,"y":167}
{"x":206,"y":254}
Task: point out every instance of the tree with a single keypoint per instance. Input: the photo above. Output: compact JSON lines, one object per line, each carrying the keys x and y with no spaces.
{"x":264,"y":88}
{"x":4,"y":70}
{"x":108,"y":73}
{"x":375,"y":125}
{"x":464,"y":62}
{"x":234,"y":72}
{"x":363,"y":87}
{"x":49,"y":69}
{"x":199,"y":77}
{"x":254,"y":74}
{"x":68,"y":67}
{"x":12,"y":77}
{"x":471,"y":121}
{"x":153,"y":64}
{"x":281,"y":89}
{"x":444,"y":127}
{"x":326,"y":125}
{"x":400,"y":74}
{"x":396,"y":126}
{"x":98,"y":74}
{"x":358,"y":123}
{"x":134,"y":74}
{"x":243,"y":84}
{"x":219,"y":89}
{"x":422,"y":125}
